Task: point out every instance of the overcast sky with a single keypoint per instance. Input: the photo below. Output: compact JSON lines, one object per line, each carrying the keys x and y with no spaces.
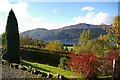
{"x":54,"y":15}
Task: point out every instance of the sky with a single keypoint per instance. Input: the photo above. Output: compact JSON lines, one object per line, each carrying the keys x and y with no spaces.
{"x":54,"y":15}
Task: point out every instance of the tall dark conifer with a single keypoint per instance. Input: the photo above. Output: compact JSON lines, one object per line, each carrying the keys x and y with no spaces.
{"x":12,"y":39}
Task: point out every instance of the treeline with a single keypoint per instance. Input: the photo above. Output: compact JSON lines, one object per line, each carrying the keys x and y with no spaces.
{"x":55,"y":46}
{"x":30,"y":42}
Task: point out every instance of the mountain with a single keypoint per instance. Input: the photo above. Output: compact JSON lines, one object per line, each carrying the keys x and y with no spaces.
{"x":65,"y":34}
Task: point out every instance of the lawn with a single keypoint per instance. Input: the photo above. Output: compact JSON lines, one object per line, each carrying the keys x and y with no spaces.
{"x":50,"y":69}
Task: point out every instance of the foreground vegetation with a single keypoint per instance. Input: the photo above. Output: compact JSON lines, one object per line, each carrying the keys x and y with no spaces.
{"x":95,"y":56}
{"x":51,"y":69}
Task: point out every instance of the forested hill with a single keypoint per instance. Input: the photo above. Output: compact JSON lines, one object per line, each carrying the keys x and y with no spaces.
{"x":67,"y":33}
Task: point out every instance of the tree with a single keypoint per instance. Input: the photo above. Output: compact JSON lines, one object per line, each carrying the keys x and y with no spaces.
{"x":85,"y":36}
{"x":54,"y":46}
{"x":26,"y":41}
{"x":12,"y":53}
{"x":116,"y":25}
{"x":85,"y":42}
{"x":114,"y":31}
{"x":105,"y":41}
{"x":3,"y":43}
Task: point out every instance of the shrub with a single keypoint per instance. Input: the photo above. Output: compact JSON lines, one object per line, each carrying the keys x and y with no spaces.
{"x":107,"y":63}
{"x":62,"y":64}
{"x":86,"y":64}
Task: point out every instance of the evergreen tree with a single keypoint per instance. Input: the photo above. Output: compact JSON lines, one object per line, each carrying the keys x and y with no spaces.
{"x":12,"y":39}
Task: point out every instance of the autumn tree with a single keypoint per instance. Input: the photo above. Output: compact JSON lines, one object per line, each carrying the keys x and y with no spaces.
{"x":54,"y":46}
{"x":12,"y":53}
{"x":116,"y":26}
{"x":114,"y":31}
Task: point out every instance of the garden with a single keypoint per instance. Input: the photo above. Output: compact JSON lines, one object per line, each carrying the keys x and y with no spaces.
{"x":91,"y":59}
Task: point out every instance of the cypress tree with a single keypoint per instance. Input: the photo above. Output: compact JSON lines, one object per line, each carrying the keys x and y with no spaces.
{"x":12,"y":53}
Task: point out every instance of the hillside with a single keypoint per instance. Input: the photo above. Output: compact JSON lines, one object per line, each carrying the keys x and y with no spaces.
{"x":65,"y":34}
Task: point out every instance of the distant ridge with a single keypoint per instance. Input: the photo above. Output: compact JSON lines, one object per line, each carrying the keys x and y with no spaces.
{"x":67,"y":33}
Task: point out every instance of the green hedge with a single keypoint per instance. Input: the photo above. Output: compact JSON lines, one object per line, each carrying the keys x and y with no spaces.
{"x":41,"y":56}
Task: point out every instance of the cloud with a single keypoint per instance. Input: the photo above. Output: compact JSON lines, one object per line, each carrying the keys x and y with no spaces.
{"x":20,"y":9}
{"x":32,"y":23}
{"x":94,"y":18}
{"x":87,"y":8}
{"x":28,"y":22}
{"x":4,"y":6}
{"x":25,"y":20}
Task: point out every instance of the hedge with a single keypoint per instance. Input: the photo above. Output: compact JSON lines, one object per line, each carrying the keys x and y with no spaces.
{"x":41,"y":56}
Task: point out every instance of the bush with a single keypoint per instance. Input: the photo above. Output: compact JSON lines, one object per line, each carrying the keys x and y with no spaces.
{"x":62,"y":64}
{"x":106,"y":67}
{"x":92,"y":66}
{"x":86,"y":64}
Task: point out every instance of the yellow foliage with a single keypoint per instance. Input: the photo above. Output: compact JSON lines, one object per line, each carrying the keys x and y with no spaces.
{"x":54,"y":46}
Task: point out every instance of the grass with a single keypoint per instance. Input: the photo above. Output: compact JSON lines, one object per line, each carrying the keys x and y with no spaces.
{"x":50,"y":69}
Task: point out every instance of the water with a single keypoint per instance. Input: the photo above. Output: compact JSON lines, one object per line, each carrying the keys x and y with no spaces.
{"x":69,"y":43}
